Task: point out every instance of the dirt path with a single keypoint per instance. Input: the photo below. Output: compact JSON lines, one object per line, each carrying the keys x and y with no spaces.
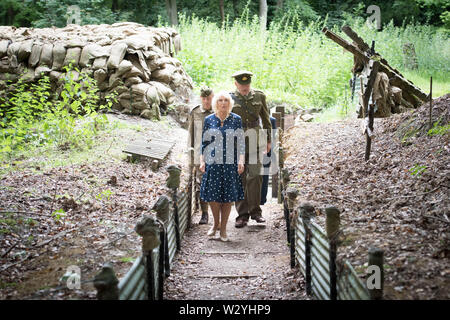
{"x":257,"y":259}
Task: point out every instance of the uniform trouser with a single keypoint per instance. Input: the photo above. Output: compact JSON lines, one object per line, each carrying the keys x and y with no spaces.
{"x":251,"y":181}
{"x":197,"y":183}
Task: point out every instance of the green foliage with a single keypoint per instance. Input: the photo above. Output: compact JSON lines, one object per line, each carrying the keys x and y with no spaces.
{"x":105,"y":194}
{"x":439,"y":130}
{"x":417,"y":170}
{"x":58,"y":214}
{"x":31,"y":116}
{"x":295,"y":63}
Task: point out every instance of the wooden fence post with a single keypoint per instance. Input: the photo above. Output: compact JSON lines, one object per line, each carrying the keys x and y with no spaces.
{"x":332,"y":227}
{"x":282,"y":111}
{"x":162,"y":208}
{"x":162,"y":255}
{"x":277,"y":117}
{"x":292,"y":194}
{"x":150,"y":273}
{"x":306,"y":213}
{"x":189,"y":191}
{"x":149,"y":228}
{"x":173,"y":182}
{"x":106,"y":283}
{"x":376,"y":258}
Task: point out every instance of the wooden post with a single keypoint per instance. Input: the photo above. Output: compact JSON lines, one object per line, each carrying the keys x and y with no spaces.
{"x":177,"y":220}
{"x":282,"y":111}
{"x":307,"y":212}
{"x":376,"y":258}
{"x":162,"y":255}
{"x":277,"y":116}
{"x":173,"y":182}
{"x":332,"y":227}
{"x":106,"y":283}
{"x":368,"y":110}
{"x":166,"y":255}
{"x":150,"y":275}
{"x":286,"y":218}
{"x":431,"y":100}
{"x":292,"y":194}
{"x":189,"y":191}
{"x":391,"y":73}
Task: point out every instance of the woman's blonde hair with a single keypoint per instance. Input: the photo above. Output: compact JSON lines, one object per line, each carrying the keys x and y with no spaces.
{"x":225,"y":95}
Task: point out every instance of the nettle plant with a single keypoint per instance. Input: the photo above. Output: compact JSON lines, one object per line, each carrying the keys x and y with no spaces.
{"x":31,"y":115}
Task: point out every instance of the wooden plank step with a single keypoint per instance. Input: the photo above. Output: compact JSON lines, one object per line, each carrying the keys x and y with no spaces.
{"x":154,"y":150}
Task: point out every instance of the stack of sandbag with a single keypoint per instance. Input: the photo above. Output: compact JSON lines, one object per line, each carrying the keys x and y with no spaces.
{"x":128,"y":58}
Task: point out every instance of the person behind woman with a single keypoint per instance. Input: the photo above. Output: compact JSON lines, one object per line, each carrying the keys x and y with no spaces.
{"x":221,"y":184}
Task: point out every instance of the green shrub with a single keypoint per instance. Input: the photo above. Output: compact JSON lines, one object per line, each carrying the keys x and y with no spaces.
{"x":294,"y":62}
{"x":31,"y":116}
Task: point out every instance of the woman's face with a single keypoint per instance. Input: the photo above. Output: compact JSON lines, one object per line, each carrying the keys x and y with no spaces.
{"x":223,"y":105}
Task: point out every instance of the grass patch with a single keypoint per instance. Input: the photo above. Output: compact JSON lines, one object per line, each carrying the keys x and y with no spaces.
{"x":295,"y":63}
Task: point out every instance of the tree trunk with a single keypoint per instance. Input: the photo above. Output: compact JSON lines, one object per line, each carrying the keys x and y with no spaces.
{"x":171,"y":7}
{"x":222,"y":10}
{"x":10,"y":16}
{"x":115,"y":5}
{"x":279,"y":5}
{"x":263,"y":14}
{"x":235,"y":8}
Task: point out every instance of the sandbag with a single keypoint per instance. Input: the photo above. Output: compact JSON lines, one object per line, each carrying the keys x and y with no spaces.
{"x":133,"y":80}
{"x":152,"y":96}
{"x":72,"y":56}
{"x":164,"y":92}
{"x":100,"y":63}
{"x":4,"y":47}
{"x":35,"y":54}
{"x":55,"y":76}
{"x":134,"y":72}
{"x":140,"y":89}
{"x":118,"y":51}
{"x":137,"y":59}
{"x":29,"y":75}
{"x":137,"y":42}
{"x":46,"y":55}
{"x":114,"y":80}
{"x":25,"y":50}
{"x":396,"y":94}
{"x":164,"y":75}
{"x":100,"y":76}
{"x":121,"y":89}
{"x":91,"y":52}
{"x":124,"y":67}
{"x":59,"y":55}
{"x":13,"y":49}
{"x":41,"y":70}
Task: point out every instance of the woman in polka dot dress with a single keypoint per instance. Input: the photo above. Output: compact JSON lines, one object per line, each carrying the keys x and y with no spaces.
{"x":222,"y":161}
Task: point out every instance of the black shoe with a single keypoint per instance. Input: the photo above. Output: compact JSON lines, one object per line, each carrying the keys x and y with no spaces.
{"x":259,"y":219}
{"x":240,"y":223}
{"x":204,"y":219}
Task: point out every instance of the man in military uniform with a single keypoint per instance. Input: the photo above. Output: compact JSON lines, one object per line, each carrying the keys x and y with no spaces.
{"x":251,"y":106}
{"x":196,"y":119}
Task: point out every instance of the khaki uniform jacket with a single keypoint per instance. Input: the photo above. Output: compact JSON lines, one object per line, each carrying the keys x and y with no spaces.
{"x":196,"y":119}
{"x":253,"y":111}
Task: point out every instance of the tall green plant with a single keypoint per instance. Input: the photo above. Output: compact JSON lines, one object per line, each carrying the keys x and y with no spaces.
{"x":31,"y":116}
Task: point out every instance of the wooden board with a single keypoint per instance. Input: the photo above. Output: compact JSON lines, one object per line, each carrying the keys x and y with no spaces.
{"x":154,"y":148}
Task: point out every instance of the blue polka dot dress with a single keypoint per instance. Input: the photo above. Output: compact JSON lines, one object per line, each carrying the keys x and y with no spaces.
{"x":221,"y":147}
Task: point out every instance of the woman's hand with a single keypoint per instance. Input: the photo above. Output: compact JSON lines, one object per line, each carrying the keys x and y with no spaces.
{"x":240,"y":168}
{"x":202,"y":166}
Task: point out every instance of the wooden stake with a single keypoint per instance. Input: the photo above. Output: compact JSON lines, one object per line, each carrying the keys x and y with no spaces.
{"x":431,"y":99}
